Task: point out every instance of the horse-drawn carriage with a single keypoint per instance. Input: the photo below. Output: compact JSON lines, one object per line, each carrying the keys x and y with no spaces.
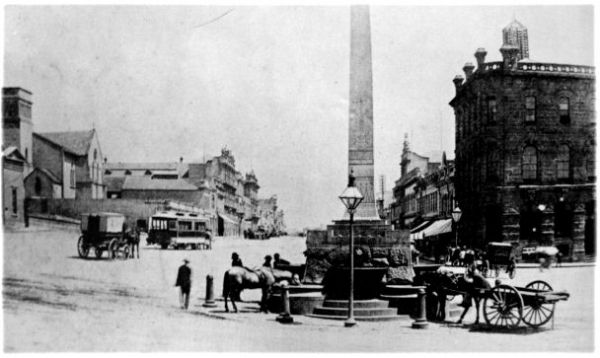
{"x":500,"y":255}
{"x":104,"y":233}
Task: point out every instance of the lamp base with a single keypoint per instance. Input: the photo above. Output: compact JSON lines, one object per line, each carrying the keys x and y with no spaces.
{"x":350,"y":322}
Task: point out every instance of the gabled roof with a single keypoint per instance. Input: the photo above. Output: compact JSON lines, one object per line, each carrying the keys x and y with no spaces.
{"x":146,"y":183}
{"x":45,"y":172}
{"x":76,"y":142}
{"x":13,"y":153}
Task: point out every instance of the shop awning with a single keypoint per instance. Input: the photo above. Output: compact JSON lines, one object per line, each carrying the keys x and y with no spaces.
{"x":437,"y":228}
{"x":227,"y":219}
{"x":415,"y":233}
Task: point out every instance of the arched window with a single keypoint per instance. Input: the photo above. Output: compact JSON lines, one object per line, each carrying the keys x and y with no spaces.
{"x":27,"y":154}
{"x":564,"y":110}
{"x":95,"y":154}
{"x":563,"y":170}
{"x":529,"y":163}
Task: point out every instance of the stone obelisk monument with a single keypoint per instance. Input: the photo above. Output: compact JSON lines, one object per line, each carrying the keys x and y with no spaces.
{"x":328,"y":250}
{"x":360,"y":139}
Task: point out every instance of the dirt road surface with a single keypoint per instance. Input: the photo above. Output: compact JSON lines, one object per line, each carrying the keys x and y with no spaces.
{"x":55,"y":301}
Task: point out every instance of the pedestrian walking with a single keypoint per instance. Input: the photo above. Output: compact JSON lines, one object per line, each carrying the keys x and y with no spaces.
{"x":184,"y":281}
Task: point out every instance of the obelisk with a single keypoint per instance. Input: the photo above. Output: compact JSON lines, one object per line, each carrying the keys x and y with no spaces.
{"x":360,"y":140}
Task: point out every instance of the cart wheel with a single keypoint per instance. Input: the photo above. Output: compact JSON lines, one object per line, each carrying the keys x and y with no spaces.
{"x":503,"y":307}
{"x":538,"y":311}
{"x":98,"y":252}
{"x":82,"y":248}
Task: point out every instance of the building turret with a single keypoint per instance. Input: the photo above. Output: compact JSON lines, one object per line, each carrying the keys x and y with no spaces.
{"x":515,"y":34}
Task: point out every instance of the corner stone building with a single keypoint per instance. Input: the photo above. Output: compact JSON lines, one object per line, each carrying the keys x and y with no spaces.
{"x":525,"y":153}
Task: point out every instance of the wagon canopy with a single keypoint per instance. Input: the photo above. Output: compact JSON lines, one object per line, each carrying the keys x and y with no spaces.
{"x":547,"y":250}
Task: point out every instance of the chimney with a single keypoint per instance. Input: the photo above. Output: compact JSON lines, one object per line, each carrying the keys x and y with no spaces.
{"x":468,"y":69}
{"x":458,"y":81}
{"x":480,"y":56}
{"x":509,"y":56}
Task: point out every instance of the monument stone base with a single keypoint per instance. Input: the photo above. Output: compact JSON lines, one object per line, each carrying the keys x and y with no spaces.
{"x":377,"y":245}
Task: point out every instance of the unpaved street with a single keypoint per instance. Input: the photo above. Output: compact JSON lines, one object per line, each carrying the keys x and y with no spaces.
{"x":55,"y":301}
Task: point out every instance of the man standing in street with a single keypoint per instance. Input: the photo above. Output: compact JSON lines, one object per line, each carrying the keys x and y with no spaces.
{"x":184,"y":281}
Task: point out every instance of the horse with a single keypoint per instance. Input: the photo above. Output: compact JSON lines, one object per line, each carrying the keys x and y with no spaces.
{"x":238,"y":278}
{"x":442,"y":284}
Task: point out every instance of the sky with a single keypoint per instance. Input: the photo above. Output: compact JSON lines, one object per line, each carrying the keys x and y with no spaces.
{"x":270,"y":83}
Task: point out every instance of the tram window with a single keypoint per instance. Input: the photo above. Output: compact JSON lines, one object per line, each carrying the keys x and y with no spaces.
{"x":173,"y":225}
{"x":200,"y":226}
{"x":185,"y":226}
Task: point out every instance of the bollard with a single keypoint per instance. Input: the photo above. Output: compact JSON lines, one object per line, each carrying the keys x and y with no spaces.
{"x":285,"y":316}
{"x":421,"y":319}
{"x":210,"y":294}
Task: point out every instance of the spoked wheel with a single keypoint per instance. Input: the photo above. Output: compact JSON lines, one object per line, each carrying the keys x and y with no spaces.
{"x":82,"y":248}
{"x":98,"y":252}
{"x":538,"y":311}
{"x":503,"y":307}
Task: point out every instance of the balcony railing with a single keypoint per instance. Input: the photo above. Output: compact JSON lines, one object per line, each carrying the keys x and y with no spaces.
{"x":543,"y":67}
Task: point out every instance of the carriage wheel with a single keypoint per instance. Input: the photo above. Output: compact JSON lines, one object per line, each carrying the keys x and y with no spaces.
{"x":538,"y":311}
{"x":503,"y":307}
{"x":82,"y":248}
{"x":98,"y":252}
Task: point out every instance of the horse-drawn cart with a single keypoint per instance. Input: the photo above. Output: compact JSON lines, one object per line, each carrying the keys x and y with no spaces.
{"x":534,"y":304}
{"x":104,"y":233}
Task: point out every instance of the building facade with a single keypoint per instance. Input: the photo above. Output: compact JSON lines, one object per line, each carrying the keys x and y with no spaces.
{"x":423,"y":202}
{"x":525,"y":151}
{"x":13,"y":191}
{"x":72,"y":158}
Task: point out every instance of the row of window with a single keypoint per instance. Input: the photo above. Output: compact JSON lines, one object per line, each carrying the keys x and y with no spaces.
{"x":529,"y":164}
{"x":468,"y":116}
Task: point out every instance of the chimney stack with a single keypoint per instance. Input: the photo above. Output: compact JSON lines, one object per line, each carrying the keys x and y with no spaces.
{"x":468,"y":69}
{"x":510,"y":55}
{"x":480,"y":56}
{"x":458,"y":81}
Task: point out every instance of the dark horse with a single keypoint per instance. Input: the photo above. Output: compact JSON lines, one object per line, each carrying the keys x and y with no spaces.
{"x":442,"y":284}
{"x":238,"y":278}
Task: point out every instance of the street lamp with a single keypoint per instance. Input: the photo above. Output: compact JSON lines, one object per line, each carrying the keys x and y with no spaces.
{"x":351,"y":197}
{"x":456,"y":214}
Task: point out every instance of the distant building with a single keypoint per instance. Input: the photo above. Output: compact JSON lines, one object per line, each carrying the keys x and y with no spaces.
{"x":214,"y":185}
{"x":17,"y":123}
{"x":525,"y":150}
{"x":13,"y":191}
{"x":74,"y":159}
{"x":424,"y":200}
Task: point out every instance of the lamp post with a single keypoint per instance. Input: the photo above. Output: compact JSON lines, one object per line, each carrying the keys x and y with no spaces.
{"x":351,"y":197}
{"x":456,"y":214}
